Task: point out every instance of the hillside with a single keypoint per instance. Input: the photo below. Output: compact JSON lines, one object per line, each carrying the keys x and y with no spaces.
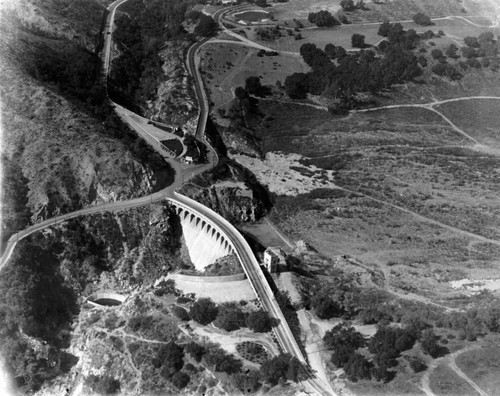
{"x":63,"y":147}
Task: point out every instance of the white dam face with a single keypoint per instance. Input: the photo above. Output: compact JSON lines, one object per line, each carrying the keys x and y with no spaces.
{"x":205,"y":244}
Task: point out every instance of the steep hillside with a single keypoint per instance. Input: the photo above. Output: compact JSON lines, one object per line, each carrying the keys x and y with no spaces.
{"x":62,"y":145}
{"x":52,"y":271}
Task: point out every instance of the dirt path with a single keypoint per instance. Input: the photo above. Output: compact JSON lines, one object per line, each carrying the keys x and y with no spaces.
{"x":430,"y":106}
{"x":450,"y":360}
{"x":461,"y":374}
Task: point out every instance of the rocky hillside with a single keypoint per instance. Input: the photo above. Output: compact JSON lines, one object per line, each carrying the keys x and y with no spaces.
{"x":50,"y":273}
{"x":63,"y":148}
{"x":232,"y":191}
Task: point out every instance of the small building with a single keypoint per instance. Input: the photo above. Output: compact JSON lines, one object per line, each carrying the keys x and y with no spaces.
{"x":273,"y":258}
{"x":188,"y":159}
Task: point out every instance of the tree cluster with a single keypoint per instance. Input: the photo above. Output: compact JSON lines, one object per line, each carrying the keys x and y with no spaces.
{"x":230,"y":317}
{"x":204,"y":311}
{"x":261,"y":322}
{"x":349,"y":5}
{"x":281,"y":368}
{"x":323,"y":18}
{"x":422,"y":19}
{"x":339,"y":76}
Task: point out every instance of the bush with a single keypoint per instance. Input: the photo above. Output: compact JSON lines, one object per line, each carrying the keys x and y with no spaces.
{"x":204,"y":311}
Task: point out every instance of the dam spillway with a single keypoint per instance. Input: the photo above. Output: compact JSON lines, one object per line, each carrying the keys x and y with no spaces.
{"x":205,"y":243}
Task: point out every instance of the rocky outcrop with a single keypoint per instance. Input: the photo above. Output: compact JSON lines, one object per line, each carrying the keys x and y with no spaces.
{"x":230,"y":190}
{"x":234,"y":201}
{"x":175,"y":103}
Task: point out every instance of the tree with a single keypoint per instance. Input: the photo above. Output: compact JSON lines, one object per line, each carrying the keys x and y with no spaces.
{"x":437,"y":53}
{"x":471,"y":42}
{"x":357,"y":367}
{"x":343,"y":334}
{"x":296,"y":85}
{"x":247,"y":382}
{"x":324,"y":307}
{"x":422,"y":19}
{"x":348,"y":5}
{"x":384,"y":29}
{"x":358,"y":40}
{"x":469,"y":52}
{"x":180,"y":312}
{"x":180,"y":380}
{"x":341,"y":355}
{"x":230,"y":317}
{"x":330,"y":51}
{"x":261,"y":322}
{"x":206,"y":26}
{"x":223,"y":362}
{"x":204,"y":311}
{"x":253,"y":86}
{"x":323,"y":18}
{"x":282,"y":367}
{"x":196,"y":351}
{"x":169,"y":359}
{"x":451,"y":51}
{"x":429,"y":342}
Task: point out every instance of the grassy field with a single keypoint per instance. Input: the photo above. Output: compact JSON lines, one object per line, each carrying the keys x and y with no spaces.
{"x":226,"y":66}
{"x":482,"y":366}
{"x":444,"y":381}
{"x":413,"y":161}
{"x":480,"y":118}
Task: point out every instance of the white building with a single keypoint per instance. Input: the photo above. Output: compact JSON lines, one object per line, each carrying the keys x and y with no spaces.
{"x":273,"y":257}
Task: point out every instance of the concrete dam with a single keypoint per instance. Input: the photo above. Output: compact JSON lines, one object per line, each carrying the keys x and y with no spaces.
{"x":205,"y":242}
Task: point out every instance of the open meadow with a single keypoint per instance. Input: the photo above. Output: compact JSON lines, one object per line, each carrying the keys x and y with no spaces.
{"x":480,"y":118}
{"x":410,"y":190}
{"x":226,"y":66}
{"x":482,"y":366}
